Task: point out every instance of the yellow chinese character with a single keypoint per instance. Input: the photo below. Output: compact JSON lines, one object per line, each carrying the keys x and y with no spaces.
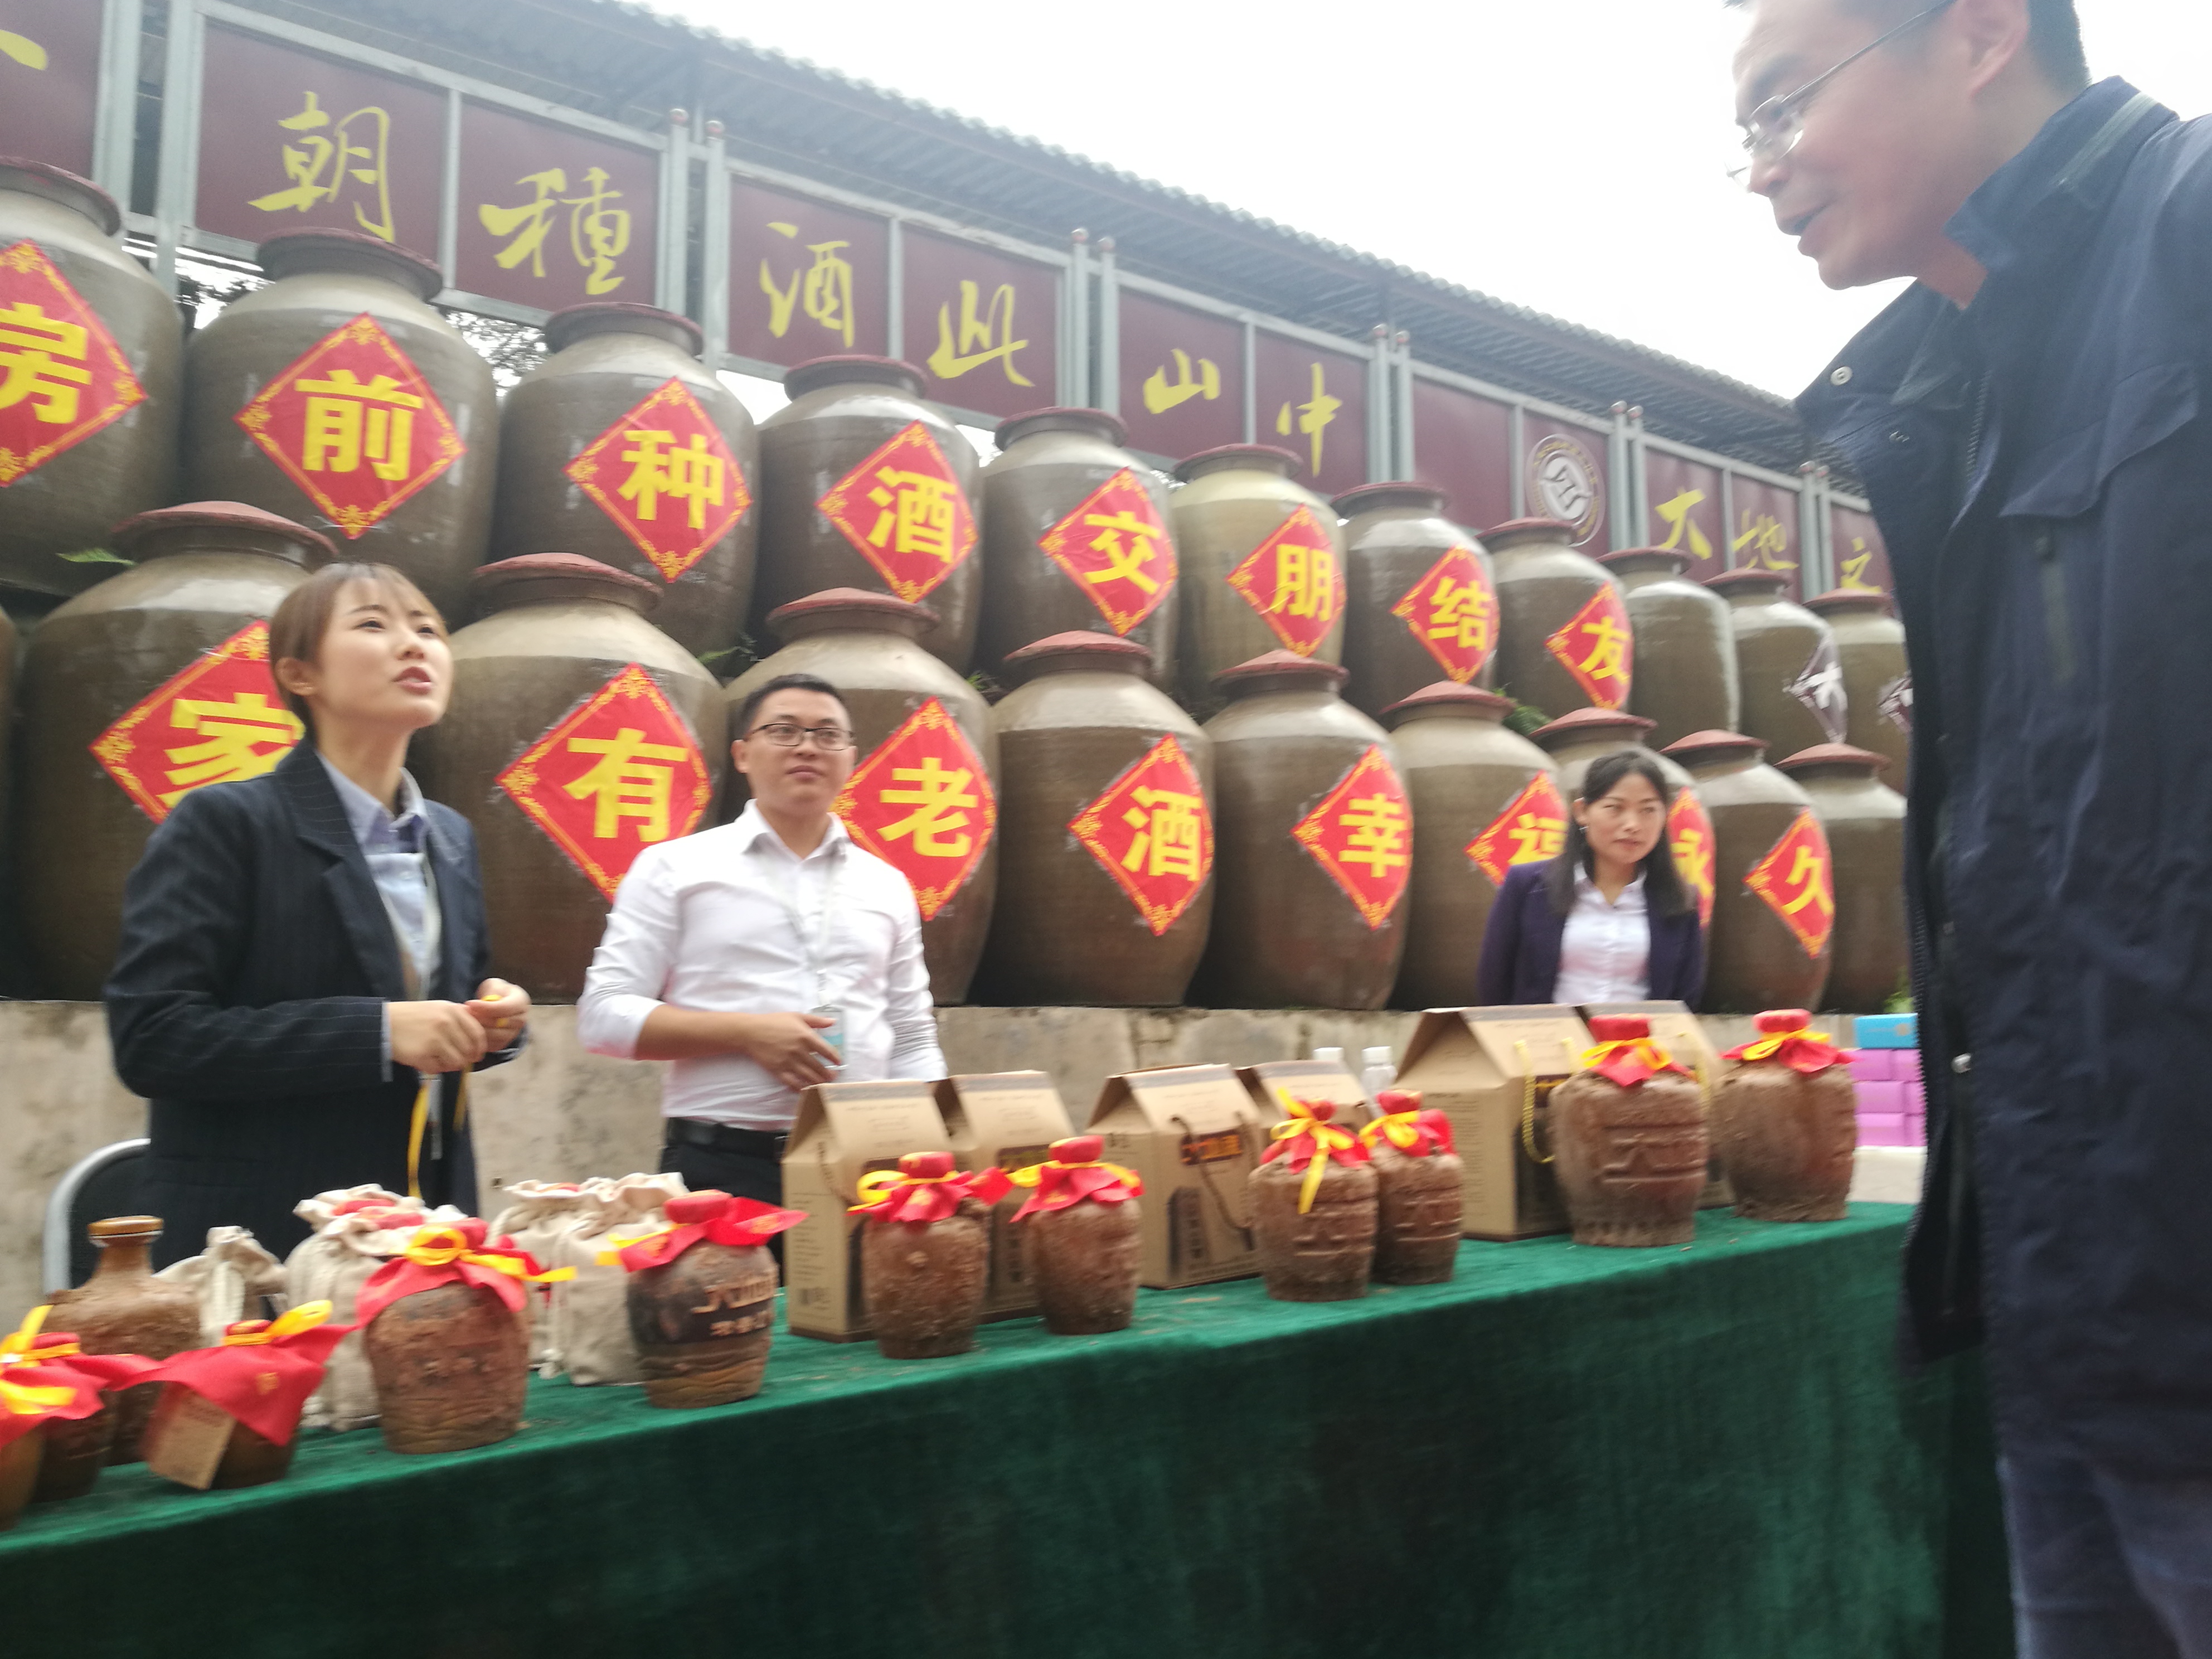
{"x":1314,"y":415}
{"x":1768,"y":540}
{"x":242,"y":738}
{"x":1536,"y":837}
{"x":1168,"y":839}
{"x":937,"y":824}
{"x":994,"y":331}
{"x":598,"y":234}
{"x":1810,"y":869}
{"x":824,"y":290}
{"x":692,"y":475}
{"x":1162,"y":395}
{"x":1460,"y":612}
{"x":632,"y":781}
{"x":1306,"y":580}
{"x":1377,"y":840}
{"x":1607,"y":659}
{"x":1854,"y":566}
{"x":338,"y":436}
{"x":1689,"y":847}
{"x":1126,"y":560}
{"x":1676,"y":513}
{"x":31,"y":345}
{"x":917,"y":514}
{"x":321,"y":167}
{"x":23,"y":50}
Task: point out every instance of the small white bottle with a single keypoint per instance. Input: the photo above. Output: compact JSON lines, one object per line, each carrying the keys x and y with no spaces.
{"x":1376,"y":1073}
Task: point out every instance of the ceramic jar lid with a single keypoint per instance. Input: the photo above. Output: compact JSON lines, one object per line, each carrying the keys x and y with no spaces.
{"x":1079,"y":649}
{"x":1704,"y":748}
{"x":1754,"y":584}
{"x":20,"y":172}
{"x":850,"y":607}
{"x":123,"y":1226}
{"x":853,"y":368}
{"x":1586,"y":725}
{"x":1449,"y":698}
{"x":199,"y":527}
{"x":291,"y":252}
{"x":558,"y":578}
{"x":1850,"y":599}
{"x":1097,"y":422}
{"x":1672,"y":560}
{"x":1280,"y":671}
{"x":1841,"y":756}
{"x":1225,"y":458}
{"x":573,"y":323}
{"x":1514,"y":532}
{"x":1402,"y":492}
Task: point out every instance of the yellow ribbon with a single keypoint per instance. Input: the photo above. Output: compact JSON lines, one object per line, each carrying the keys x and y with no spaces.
{"x":420,"y":1121}
{"x":1326,"y":1138}
{"x":427,"y":1248}
{"x":1767,"y":1047}
{"x":26,"y":1399}
{"x":1642,"y":1049}
{"x":304,"y":1317}
{"x":620,"y":1240}
{"x":878,"y":1184}
{"x":1035,"y":1173}
{"x":1399,"y":1128}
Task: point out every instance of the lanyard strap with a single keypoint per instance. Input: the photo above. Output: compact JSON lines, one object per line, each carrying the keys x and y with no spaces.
{"x":813,"y":946}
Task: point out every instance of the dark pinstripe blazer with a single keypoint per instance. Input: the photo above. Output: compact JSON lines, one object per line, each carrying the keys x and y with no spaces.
{"x":248,"y":1006}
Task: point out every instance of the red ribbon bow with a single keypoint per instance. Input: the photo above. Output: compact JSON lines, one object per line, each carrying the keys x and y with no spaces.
{"x":1785,"y":1038}
{"x":34,"y":1386}
{"x":1413,"y":1131}
{"x":926,"y":1188}
{"x":1073,"y":1173}
{"x":1625,"y":1054}
{"x":262,"y":1373}
{"x":455,"y":1255}
{"x":711,"y":1214}
{"x":1307,"y":1140}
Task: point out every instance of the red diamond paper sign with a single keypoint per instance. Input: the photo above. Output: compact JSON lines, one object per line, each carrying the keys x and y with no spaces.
{"x":1598,"y":649}
{"x":1115,"y":549}
{"x":62,"y":377}
{"x":1794,"y":878}
{"x":216,"y":721}
{"x":1690,"y":838}
{"x":1151,"y":832}
{"x":665,"y":473}
{"x":1452,"y":612}
{"x":904,"y":513}
{"x":1292,"y":580}
{"x":353,"y":423}
{"x":1531,"y":829}
{"x":621,"y":772}
{"x":1362,"y":833}
{"x":922,"y":803}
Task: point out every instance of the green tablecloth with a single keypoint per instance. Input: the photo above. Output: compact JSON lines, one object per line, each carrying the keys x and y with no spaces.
{"x":1677,"y":1454}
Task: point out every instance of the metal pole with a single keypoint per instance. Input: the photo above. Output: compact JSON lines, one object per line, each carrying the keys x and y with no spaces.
{"x":181,"y":125}
{"x":895,"y":282}
{"x":1622,"y":502}
{"x":714,"y":262}
{"x":1517,"y":480}
{"x":115,"y":139}
{"x":449,"y":198}
{"x":1110,"y":330}
{"x":1251,"y":384}
{"x":1728,"y":520}
{"x":1808,"y":528}
{"x":1639,"y":479}
{"x":669,"y":282}
{"x":1408,"y":454}
{"x":1379,"y":455}
{"x":1075,"y":326}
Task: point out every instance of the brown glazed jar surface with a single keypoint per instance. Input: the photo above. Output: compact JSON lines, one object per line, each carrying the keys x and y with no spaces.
{"x":1864,"y":819}
{"x":1050,"y":462}
{"x":842,"y":410}
{"x":1752,"y":961}
{"x":1394,"y":536}
{"x":925,"y":1282}
{"x":1285,"y":934}
{"x":67,"y":504}
{"x":1786,"y":663}
{"x":1085,"y":1261}
{"x":559,"y":628}
{"x":1787,"y":1139}
{"x":864,"y":644}
{"x":19,"y":1475}
{"x":1326,"y":1254}
{"x":124,"y":1308}
{"x":1573,"y":741}
{"x":1462,"y":769}
{"x":204,"y":571}
{"x":77,"y":1449}
{"x":1063,"y":931}
{"x":1420,"y":1206}
{"x":1877,"y":678}
{"x":1630,"y":1162}
{"x":1685,"y":673}
{"x":608,"y":357}
{"x":1232,"y":499}
{"x":451,"y":1364}
{"x":251,"y":1459}
{"x":1542,"y":582}
{"x":322,"y":280}
{"x":702,"y":1324}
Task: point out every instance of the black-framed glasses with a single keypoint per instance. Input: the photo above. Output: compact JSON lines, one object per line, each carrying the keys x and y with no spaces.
{"x":786,"y":734}
{"x":1772,"y":130}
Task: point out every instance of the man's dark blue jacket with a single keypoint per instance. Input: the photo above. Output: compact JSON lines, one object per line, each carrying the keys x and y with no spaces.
{"x":2041,"y":467}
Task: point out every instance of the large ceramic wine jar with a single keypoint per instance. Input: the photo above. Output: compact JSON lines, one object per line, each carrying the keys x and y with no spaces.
{"x":1786,"y":663}
{"x":1262,"y":565}
{"x":864,"y":485}
{"x":89,"y":434}
{"x":1105,"y":832}
{"x":1421,"y":604}
{"x":1573,"y":741}
{"x":338,"y":397}
{"x":578,"y":735}
{"x":1075,"y":538}
{"x":623,"y":447}
{"x":134,"y":694}
{"x":1685,"y":673}
{"x":124,"y":1308}
{"x":1485,"y":799}
{"x":1563,"y":640}
{"x":1864,"y":820}
{"x":1314,"y":842}
{"x":910,"y":713}
{"x":1877,"y":680}
{"x":1770,"y":942}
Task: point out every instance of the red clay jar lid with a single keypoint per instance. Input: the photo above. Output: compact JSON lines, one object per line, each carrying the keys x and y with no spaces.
{"x":290,"y":251}
{"x":866,"y":607}
{"x":1647,"y":558}
{"x":1831,"y":753}
{"x":1281,"y":664}
{"x":1733,"y":582}
{"x":686,"y":1209}
{"x":1080,"y":648}
{"x":1783,"y":1020}
{"x":1850,"y":598}
{"x":1711,"y":745}
{"x":62,"y":185}
{"x":1260,"y":457}
{"x":124,"y":1226}
{"x":216,"y":515}
{"x":1513,"y":531}
{"x":851,"y":368}
{"x":550,"y":578}
{"x":926,"y":1163}
{"x":1619,"y":1028}
{"x":1585,"y":724}
{"x":1099,"y":423}
{"x":1079,"y":1149}
{"x":1448,"y":697}
{"x":1400,"y":492}
{"x":573,"y":323}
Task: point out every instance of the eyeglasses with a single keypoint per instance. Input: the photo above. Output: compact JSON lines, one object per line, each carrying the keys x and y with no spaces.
{"x":785,"y":735}
{"x":1774,"y":128}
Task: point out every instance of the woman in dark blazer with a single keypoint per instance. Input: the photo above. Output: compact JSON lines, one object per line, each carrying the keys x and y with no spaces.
{"x":1608,"y":919}
{"x":294,"y":945}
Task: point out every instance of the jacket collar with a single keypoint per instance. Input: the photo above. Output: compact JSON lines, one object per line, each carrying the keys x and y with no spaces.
{"x":318,"y":818}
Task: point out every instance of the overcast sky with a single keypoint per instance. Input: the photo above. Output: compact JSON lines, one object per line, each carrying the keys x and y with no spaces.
{"x":1567,"y":155}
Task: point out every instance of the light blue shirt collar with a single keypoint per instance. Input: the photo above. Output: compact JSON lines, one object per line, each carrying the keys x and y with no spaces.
{"x":373,"y":828}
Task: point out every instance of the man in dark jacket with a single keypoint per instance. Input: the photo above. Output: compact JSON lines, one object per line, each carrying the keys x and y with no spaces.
{"x":2031,"y":422}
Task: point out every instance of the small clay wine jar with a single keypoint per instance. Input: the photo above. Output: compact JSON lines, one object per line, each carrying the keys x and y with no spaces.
{"x":1785,"y":1122}
{"x":250,"y":1458}
{"x":925,"y":1280}
{"x":450,"y":1363}
{"x":1321,"y":1248}
{"x":19,"y":1474}
{"x":1418,"y":1193}
{"x":76,"y":1448}
{"x":124,"y":1308}
{"x":1082,"y":1236}
{"x":1628,"y":1133}
{"x":703,"y":1321}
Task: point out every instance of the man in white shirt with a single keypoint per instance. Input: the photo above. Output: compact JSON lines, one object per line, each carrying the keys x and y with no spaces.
{"x":764,"y":956}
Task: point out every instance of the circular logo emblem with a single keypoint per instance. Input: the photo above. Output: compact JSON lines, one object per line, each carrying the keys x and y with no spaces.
{"x":1564,"y":483}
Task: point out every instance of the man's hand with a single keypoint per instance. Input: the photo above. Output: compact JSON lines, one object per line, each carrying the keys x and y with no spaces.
{"x":502,"y":1009}
{"x":435,"y":1037}
{"x":786,"y":1047}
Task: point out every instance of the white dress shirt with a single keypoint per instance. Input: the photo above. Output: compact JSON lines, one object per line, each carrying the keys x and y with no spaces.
{"x":396,"y":848}
{"x":714,"y":921}
{"x":1605,"y":950}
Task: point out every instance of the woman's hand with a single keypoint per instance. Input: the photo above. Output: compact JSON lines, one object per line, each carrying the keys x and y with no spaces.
{"x":502,"y":1009}
{"x":435,"y":1037}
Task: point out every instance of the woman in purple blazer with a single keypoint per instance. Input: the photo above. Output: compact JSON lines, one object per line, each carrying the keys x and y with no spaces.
{"x":1609,"y":920}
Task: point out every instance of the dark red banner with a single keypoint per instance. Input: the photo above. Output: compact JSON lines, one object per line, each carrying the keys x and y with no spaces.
{"x":550,"y":216}
{"x":983,"y":326}
{"x":1764,"y":535}
{"x":50,"y":80}
{"x":1686,"y":511}
{"x":1182,"y":377}
{"x":1565,"y":472}
{"x":1464,"y":445}
{"x":1312,"y":402}
{"x":1862,"y":556}
{"x":806,"y":279}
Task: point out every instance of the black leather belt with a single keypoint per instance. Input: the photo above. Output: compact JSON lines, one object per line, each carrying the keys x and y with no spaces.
{"x":723,"y":1137}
